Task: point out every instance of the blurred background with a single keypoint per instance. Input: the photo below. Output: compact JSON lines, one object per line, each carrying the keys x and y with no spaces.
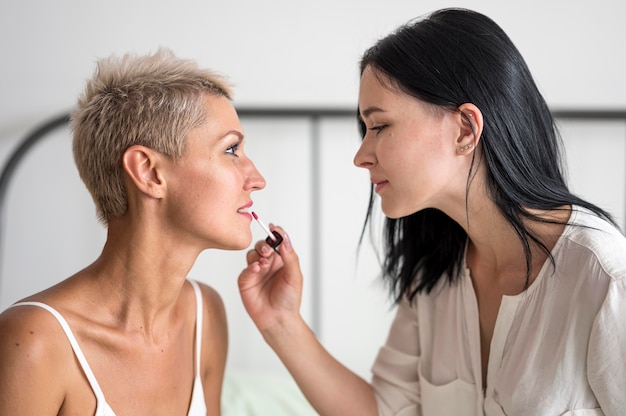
{"x":301,"y":57}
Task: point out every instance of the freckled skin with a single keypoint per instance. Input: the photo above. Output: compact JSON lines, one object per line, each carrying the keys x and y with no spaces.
{"x":139,"y":339}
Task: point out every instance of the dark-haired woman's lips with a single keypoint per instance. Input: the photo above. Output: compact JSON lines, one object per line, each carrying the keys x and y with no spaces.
{"x":378,"y":185}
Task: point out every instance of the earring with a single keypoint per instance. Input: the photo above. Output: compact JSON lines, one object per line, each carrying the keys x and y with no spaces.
{"x":466,"y":147}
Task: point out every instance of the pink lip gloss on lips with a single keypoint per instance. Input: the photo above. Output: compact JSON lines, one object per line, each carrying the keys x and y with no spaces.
{"x":274,"y":238}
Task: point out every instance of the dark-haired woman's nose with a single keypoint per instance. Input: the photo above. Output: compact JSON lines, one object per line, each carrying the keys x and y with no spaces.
{"x":365,"y":157}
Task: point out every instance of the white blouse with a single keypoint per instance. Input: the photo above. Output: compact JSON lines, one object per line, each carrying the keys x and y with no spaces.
{"x":558,"y":348}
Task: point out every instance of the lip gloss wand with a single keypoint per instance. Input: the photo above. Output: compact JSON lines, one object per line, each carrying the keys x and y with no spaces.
{"x":274,"y":238}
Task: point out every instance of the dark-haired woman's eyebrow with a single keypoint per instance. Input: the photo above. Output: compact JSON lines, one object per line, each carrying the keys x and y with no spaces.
{"x":368,"y":111}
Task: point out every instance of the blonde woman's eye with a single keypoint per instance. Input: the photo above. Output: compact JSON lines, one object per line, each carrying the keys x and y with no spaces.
{"x":233,"y":149}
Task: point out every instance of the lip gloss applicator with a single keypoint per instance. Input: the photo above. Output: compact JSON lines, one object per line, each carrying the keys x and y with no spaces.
{"x":274,"y":238}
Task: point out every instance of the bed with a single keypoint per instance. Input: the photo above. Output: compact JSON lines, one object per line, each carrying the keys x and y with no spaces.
{"x":250,"y":390}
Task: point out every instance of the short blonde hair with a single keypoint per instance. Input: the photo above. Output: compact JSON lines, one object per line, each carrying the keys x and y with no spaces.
{"x":151,"y":100}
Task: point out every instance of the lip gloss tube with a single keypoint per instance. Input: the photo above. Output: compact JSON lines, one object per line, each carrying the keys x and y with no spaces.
{"x":274,"y":238}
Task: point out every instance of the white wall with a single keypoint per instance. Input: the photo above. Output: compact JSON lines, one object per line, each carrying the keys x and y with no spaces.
{"x":287,"y":51}
{"x":279,"y":53}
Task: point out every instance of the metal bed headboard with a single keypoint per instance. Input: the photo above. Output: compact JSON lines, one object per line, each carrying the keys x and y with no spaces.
{"x":315,"y":115}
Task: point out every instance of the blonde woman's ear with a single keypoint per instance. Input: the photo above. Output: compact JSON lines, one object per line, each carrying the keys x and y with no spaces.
{"x":140,"y":164}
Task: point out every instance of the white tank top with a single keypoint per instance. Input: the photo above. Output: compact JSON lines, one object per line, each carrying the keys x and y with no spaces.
{"x":197,"y":406}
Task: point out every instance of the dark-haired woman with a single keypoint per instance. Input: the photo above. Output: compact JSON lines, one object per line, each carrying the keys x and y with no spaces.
{"x":511,"y":290}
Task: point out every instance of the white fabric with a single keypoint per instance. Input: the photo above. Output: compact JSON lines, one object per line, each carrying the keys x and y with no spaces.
{"x":558,"y":348}
{"x":197,"y":406}
{"x":262,"y":394}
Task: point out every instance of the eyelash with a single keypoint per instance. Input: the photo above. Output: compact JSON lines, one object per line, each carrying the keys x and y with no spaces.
{"x":378,"y":129}
{"x":233,"y":149}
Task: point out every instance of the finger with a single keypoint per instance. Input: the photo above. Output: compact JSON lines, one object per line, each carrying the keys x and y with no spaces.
{"x":263,"y":249}
{"x":249,"y":276}
{"x":256,"y":272}
{"x":289,"y":257}
{"x":252,"y":256}
{"x":286,"y":243}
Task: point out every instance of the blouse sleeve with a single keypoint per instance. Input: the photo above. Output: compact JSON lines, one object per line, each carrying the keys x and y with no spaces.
{"x":606,"y":362}
{"x":395,"y":377}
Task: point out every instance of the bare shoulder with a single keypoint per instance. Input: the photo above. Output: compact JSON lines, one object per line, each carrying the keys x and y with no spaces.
{"x":214,"y":326}
{"x":32,"y":333}
{"x":214,"y":347}
{"x":32,"y":348}
{"x":213,"y":306}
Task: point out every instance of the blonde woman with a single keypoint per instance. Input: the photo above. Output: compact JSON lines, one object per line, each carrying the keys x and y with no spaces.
{"x":160,"y":148}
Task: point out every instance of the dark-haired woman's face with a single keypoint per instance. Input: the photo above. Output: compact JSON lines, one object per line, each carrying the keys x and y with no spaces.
{"x":410,"y":150}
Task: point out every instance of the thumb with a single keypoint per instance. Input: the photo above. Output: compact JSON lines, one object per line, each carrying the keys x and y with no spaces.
{"x":291,"y":262}
{"x":287,"y":253}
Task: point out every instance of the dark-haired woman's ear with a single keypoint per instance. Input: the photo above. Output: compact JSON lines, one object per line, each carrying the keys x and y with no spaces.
{"x":140,"y":164}
{"x":471,"y":119}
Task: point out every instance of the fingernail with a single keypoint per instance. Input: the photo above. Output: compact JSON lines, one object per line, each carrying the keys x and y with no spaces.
{"x":286,"y":242}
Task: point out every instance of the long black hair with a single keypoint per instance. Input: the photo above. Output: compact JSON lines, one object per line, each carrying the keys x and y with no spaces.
{"x":458,"y":56}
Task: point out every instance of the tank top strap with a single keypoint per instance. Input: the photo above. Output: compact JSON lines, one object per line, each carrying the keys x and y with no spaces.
{"x":197,"y":406}
{"x":199,"y":305}
{"x":74,"y":343}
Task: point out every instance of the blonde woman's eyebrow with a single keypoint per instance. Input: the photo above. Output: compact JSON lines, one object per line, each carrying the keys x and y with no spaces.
{"x":233,"y":133}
